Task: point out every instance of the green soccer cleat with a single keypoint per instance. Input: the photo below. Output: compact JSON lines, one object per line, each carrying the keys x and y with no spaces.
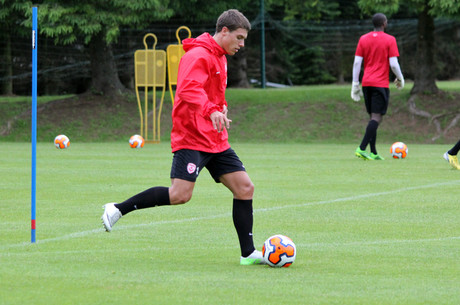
{"x":376,"y":157}
{"x":255,"y":258}
{"x":362,"y":154}
{"x":453,"y":160}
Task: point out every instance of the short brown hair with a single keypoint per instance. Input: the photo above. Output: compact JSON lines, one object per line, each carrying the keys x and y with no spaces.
{"x":233,"y":20}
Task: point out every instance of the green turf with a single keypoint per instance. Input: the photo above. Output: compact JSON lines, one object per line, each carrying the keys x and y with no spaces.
{"x":367,"y":232}
{"x":304,"y":114}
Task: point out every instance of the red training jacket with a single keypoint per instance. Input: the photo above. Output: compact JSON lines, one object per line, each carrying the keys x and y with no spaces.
{"x":201,"y":83}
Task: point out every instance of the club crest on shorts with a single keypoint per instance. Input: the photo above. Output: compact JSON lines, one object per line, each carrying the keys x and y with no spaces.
{"x":191,"y":168}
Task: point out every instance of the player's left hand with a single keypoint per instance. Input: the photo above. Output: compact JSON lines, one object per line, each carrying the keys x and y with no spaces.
{"x":399,"y":83}
{"x":220,"y":120}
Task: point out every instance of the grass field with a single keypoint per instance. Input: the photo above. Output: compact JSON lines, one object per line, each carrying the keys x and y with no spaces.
{"x":307,"y":114}
{"x":367,"y":232}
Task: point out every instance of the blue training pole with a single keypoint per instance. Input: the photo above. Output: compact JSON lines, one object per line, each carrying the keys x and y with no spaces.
{"x":34,"y":121}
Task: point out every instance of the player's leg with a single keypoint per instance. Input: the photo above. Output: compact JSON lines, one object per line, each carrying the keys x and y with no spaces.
{"x":227,"y":168}
{"x":373,"y":125}
{"x":183,"y":176}
{"x":242,"y":188}
{"x":376,"y":105}
{"x":454,"y":150}
{"x":151,"y":197}
{"x":451,"y":156}
{"x":239,"y":184}
{"x":380,"y":100}
{"x":180,"y":192}
{"x":370,"y":134}
{"x":360,"y":151}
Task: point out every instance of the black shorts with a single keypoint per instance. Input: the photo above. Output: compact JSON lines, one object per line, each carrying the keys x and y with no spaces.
{"x":376,"y":99}
{"x":187,"y":164}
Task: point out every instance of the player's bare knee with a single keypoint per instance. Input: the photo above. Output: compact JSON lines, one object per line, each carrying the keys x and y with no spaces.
{"x":180,"y":198}
{"x":184,"y":198}
{"x":246,"y":191}
{"x":251,"y":189}
{"x":376,"y":117}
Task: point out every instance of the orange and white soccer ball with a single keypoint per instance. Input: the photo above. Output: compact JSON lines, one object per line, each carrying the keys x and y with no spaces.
{"x":279,"y":251}
{"x":136,"y":141}
{"x":399,"y":150}
{"x":61,"y":141}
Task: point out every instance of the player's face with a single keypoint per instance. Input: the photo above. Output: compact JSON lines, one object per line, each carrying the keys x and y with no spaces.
{"x":234,"y":40}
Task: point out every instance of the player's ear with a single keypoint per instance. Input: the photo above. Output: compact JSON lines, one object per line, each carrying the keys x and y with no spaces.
{"x":225,"y":30}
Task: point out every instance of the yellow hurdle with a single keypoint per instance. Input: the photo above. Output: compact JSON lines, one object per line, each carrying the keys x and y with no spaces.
{"x":174,"y":54}
{"x":150,"y":73}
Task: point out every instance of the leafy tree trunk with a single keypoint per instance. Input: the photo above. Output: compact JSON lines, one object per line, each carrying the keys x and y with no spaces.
{"x":7,"y":65}
{"x":340,"y":60}
{"x":424,"y":70}
{"x":104,"y":74}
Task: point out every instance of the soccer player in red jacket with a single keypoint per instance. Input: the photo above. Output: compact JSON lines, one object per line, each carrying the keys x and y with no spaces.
{"x":199,"y":137}
{"x":379,"y":52}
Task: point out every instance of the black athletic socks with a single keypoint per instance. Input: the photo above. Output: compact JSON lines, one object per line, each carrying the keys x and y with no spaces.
{"x":373,"y":141}
{"x":156,"y":196}
{"x":152,"y":197}
{"x":243,"y":221}
{"x":454,"y":150}
{"x":370,"y":137}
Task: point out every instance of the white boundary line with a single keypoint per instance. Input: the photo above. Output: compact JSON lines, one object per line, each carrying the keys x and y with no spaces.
{"x":412,"y":188}
{"x":309,"y":246}
{"x":307,"y":204}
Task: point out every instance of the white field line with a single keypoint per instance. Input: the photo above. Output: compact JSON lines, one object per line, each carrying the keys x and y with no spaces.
{"x":308,"y":246}
{"x":307,"y":204}
{"x":405,"y":189}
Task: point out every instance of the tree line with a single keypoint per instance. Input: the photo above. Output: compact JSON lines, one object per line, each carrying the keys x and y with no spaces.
{"x":97,"y":28}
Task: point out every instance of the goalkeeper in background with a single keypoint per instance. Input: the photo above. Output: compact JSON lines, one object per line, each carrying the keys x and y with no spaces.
{"x":379,"y":52}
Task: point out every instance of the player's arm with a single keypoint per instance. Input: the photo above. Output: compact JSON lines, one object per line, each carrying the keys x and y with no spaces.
{"x":394,"y":65}
{"x":357,"y":68}
{"x":356,"y":91}
{"x":192,"y":77}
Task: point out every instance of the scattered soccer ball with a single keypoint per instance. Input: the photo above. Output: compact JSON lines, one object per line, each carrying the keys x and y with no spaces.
{"x":61,"y":141}
{"x":136,"y":141}
{"x":279,"y":251}
{"x":399,"y":150}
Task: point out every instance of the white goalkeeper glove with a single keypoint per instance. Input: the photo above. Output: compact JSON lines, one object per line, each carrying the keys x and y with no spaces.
{"x":399,"y":83}
{"x":356,"y":91}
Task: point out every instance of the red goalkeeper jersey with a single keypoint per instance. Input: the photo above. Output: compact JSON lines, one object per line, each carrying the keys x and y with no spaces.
{"x":376,"y":48}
